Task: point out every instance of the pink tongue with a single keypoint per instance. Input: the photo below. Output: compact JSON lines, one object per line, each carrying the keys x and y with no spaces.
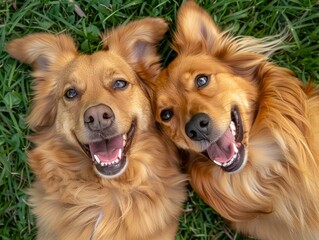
{"x":222,"y":150}
{"x":107,"y":150}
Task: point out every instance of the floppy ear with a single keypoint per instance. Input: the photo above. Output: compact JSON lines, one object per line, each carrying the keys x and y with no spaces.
{"x":47,"y":54}
{"x":195,"y":31}
{"x":136,"y":43}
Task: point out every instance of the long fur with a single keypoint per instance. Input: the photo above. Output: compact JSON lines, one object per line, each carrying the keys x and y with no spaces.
{"x":275,"y":195}
{"x":69,"y":198}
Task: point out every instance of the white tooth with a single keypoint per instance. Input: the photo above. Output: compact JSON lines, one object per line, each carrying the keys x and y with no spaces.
{"x":226,"y":164}
{"x":235,"y":148}
{"x":117,"y":160}
{"x":218,"y":163}
{"x":232,"y":125}
{"x":124,"y":139}
{"x":120,"y":153}
{"x":233,"y":159}
{"x":232,"y":128}
{"x":97,"y":159}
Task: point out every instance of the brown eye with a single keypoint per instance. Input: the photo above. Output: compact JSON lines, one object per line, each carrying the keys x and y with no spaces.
{"x":166,"y":114}
{"x":201,"y":81}
{"x":71,"y":93}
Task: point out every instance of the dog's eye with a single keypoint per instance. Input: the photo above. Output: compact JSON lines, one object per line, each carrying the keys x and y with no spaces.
{"x":71,"y":93}
{"x":166,"y":115}
{"x":202,"y":80}
{"x":121,"y":84}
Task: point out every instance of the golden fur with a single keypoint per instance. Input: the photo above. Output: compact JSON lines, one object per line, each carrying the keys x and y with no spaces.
{"x":70,"y":197}
{"x":273,"y":193}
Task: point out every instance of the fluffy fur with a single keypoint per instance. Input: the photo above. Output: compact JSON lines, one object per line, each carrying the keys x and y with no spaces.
{"x":82,"y":102}
{"x":269,"y":190}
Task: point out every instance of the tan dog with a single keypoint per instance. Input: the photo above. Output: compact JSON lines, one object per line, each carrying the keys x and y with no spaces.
{"x":102,"y":169}
{"x":251,"y":128}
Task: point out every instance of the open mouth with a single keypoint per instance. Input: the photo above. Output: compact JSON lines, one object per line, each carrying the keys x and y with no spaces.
{"x":109,"y":155}
{"x":228,"y":151}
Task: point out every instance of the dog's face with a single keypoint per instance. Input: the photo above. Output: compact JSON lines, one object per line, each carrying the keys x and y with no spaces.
{"x":100,"y":106}
{"x":202,"y":107}
{"x":206,"y":98}
{"x":97,"y":103}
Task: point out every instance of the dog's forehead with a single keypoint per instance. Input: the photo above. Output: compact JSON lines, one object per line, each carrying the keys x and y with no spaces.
{"x":197,"y":64}
{"x":181,"y":72}
{"x":104,"y":59}
{"x":102,"y":65}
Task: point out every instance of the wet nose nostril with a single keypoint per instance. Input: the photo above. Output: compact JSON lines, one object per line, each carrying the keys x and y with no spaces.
{"x":106,"y":116}
{"x":203,"y":124}
{"x":192,"y":134}
{"x":91,"y":119}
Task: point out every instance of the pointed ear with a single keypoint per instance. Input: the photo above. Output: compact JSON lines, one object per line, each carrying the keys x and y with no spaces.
{"x":196,"y":31}
{"x":136,"y":43}
{"x":42,"y":50}
{"x":47,"y":54}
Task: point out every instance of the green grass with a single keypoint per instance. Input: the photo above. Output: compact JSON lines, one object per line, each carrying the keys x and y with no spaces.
{"x":246,"y":17}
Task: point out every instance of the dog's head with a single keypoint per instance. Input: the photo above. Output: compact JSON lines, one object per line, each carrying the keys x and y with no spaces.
{"x":206,"y":98}
{"x":96,"y":103}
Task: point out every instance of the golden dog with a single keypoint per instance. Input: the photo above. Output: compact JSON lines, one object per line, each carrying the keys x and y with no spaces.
{"x":102,"y":169}
{"x":250,"y":126}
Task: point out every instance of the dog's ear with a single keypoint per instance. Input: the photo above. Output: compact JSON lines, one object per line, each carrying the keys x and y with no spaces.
{"x":47,"y":54}
{"x":42,"y":50}
{"x":196,"y":31}
{"x":136,"y":43}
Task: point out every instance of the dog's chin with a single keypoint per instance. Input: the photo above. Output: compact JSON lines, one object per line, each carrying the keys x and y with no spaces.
{"x":228,"y":151}
{"x":110,"y":155}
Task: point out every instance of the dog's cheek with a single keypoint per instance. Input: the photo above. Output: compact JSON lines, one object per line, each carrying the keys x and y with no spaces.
{"x":142,"y":109}
{"x":242,"y":92}
{"x":247,"y":100}
{"x":176,"y":134}
{"x":68,"y":123}
{"x":245,"y":96}
{"x":144,"y":115}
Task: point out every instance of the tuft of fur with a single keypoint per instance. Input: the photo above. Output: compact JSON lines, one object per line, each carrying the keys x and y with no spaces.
{"x":69,"y":199}
{"x":275,"y":195}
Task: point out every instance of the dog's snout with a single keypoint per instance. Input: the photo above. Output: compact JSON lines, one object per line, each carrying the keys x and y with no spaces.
{"x":199,"y":127}
{"x":98,"y":117}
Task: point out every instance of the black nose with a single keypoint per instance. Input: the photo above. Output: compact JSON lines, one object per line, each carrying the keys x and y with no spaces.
{"x":199,"y":127}
{"x":98,"y":117}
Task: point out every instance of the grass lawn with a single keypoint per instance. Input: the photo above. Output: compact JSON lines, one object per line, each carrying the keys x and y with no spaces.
{"x":300,"y":18}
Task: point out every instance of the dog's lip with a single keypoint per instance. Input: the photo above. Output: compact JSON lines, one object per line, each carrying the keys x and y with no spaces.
{"x":232,"y":158}
{"x":116,"y":164}
{"x":236,"y":119}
